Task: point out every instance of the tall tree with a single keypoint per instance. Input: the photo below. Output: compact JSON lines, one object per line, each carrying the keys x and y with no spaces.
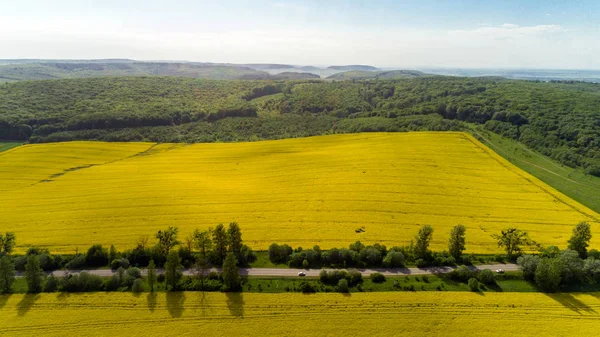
{"x":34,"y":275}
{"x":548,"y":274}
{"x":230,"y":273}
{"x":167,"y":239}
{"x":173,"y":269}
{"x":512,"y":240}
{"x":580,"y":239}
{"x":151,"y":275}
{"x":456,"y":243}
{"x":423,"y":239}
{"x":234,"y":234}
{"x":7,"y":274}
{"x":7,"y":243}
{"x":202,"y":242}
{"x":220,"y":243}
{"x":200,"y":268}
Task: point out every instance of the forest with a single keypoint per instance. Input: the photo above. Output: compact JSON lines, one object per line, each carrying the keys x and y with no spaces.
{"x":560,"y":119}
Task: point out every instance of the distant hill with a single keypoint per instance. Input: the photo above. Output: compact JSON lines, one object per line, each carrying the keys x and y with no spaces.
{"x":362,"y":75}
{"x":309,"y":68}
{"x":40,"y":71}
{"x":294,"y":76}
{"x":267,"y":66}
{"x":353,"y":67}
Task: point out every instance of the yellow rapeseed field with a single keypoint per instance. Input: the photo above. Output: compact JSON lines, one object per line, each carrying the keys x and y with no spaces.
{"x":322,"y":314}
{"x":316,"y":190}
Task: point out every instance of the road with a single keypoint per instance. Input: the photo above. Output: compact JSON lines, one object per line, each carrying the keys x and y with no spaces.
{"x":285,"y":272}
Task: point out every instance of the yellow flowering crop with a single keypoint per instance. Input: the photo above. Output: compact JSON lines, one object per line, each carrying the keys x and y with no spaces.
{"x":323,"y":314}
{"x":317,"y":190}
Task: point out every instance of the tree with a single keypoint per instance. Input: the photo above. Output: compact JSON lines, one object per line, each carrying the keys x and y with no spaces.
{"x":200,"y":267}
{"x":202,"y":242}
{"x":456,"y":243}
{"x":571,"y":265}
{"x":173,"y":270}
{"x":512,"y":239}
{"x":234,"y":233}
{"x":230,"y":273}
{"x":7,"y":243}
{"x":473,"y":284}
{"x":393,"y":259}
{"x":423,"y":239}
{"x":112,"y":253}
{"x":167,"y":239}
{"x":342,"y":286}
{"x":34,"y":275}
{"x":528,"y":265}
{"x":7,"y":274}
{"x":96,"y":256}
{"x":220,"y":243}
{"x":151,"y":275}
{"x":486,"y":276}
{"x":547,"y":274}
{"x":580,"y":239}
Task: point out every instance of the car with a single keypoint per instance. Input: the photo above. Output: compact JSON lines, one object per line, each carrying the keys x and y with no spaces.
{"x":301,"y":273}
{"x":500,"y":271}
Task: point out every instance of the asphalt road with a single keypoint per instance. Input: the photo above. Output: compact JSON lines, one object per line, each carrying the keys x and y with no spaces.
{"x":285,"y":272}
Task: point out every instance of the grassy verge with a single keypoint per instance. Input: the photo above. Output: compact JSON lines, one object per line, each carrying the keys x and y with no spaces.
{"x":7,"y":146}
{"x":509,"y":282}
{"x":574,"y":183}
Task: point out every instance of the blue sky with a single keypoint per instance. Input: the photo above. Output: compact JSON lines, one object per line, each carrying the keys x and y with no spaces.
{"x":538,"y":34}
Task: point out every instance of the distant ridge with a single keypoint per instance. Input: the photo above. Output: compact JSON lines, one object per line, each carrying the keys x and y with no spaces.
{"x":353,"y":67}
{"x":360,"y":75}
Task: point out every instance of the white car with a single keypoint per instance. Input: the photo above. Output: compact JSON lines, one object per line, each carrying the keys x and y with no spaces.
{"x":301,"y":273}
{"x":500,"y":271}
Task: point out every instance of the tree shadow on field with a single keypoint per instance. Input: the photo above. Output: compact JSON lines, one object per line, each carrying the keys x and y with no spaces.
{"x":175,"y":302}
{"x":151,"y":298}
{"x":26,"y":303}
{"x":235,"y":303}
{"x":203,"y":303}
{"x":567,"y":300}
{"x":3,"y":299}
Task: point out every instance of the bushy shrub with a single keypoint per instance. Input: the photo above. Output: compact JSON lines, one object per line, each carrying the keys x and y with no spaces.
{"x":119,"y":263}
{"x":137,"y":286}
{"x":486,"y":276}
{"x":462,"y":274}
{"x":82,"y":282}
{"x":393,"y":259}
{"x":354,"y":277}
{"x":97,"y":256}
{"x":473,"y":284}
{"x":113,"y":283}
{"x":307,"y":287}
{"x":279,"y":253}
{"x":161,"y":278}
{"x":332,"y":277}
{"x":342,"y":286}
{"x":528,"y":265}
{"x":377,"y":277}
{"x":77,"y":262}
{"x":51,"y":284}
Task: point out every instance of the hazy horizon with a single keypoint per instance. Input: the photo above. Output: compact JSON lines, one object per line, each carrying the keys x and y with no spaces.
{"x":389,"y":34}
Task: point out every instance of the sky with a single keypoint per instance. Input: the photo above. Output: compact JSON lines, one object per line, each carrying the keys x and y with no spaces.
{"x":402,"y":34}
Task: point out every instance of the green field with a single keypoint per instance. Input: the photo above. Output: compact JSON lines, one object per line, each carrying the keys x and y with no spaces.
{"x":7,"y":146}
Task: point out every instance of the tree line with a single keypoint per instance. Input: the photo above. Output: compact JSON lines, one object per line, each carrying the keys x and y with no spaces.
{"x":556,"y":119}
{"x":220,"y":246}
{"x":550,"y":269}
